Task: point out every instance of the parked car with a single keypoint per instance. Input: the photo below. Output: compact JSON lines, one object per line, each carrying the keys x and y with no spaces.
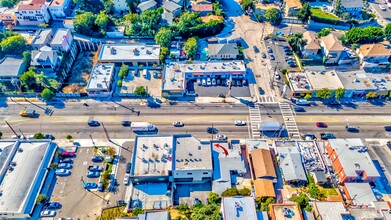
{"x":272,"y":57}
{"x":321,"y":125}
{"x":199,"y":81}
{"x":263,"y":55}
{"x":52,"y":205}
{"x":126,"y":123}
{"x":256,"y":50}
{"x":178,"y":124}
{"x":208,"y":82}
{"x":382,"y":7}
{"x":66,"y":160}
{"x":218,"y":82}
{"x":277,"y":76}
{"x":48,"y":213}
{"x":240,"y":123}
{"x":62,"y":172}
{"x":97,"y":159}
{"x":92,"y":174}
{"x":211,"y":130}
{"x":269,"y":49}
{"x":289,"y":52}
{"x":299,"y":109}
{"x":90,"y":185}
{"x":67,"y":154}
{"x":213,"y":82}
{"x":221,"y":137}
{"x":126,"y":179}
{"x":31,"y":136}
{"x":128,"y":167}
{"x":95,"y":168}
{"x":244,"y":82}
{"x":309,"y":136}
{"x":204,"y":82}
{"x":64,"y":166}
{"x":100,"y":185}
{"x":93,"y":123}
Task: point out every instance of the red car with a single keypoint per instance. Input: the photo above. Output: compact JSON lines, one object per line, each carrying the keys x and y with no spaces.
{"x":68,"y":154}
{"x":321,"y":125}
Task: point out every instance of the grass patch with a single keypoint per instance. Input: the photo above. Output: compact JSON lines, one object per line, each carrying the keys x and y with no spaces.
{"x":109,"y":214}
{"x":317,"y":12}
{"x":329,"y":191}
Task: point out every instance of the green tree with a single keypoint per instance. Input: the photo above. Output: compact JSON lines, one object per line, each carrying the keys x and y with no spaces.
{"x":132,"y":4}
{"x":264,"y":204}
{"x":247,"y":4}
{"x":69,"y":137}
{"x":387,"y":31}
{"x":183,"y":207}
{"x":136,"y":211}
{"x":273,"y":16}
{"x":164,"y":52}
{"x":123,"y":71}
{"x":186,"y":21}
{"x":13,"y":45}
{"x":41,"y":199}
{"x":47,"y":94}
{"x":305,"y":12}
{"x":84,"y":23}
{"x":101,"y":21}
{"x":324,"y":93}
{"x":284,"y":71}
{"x":147,"y":23}
{"x":26,"y":57}
{"x":214,"y":198}
{"x":140,"y":91}
{"x":119,"y":83}
{"x":297,"y":42}
{"x":54,"y":166}
{"x":339,"y":93}
{"x":206,"y":212}
{"x":53,"y":84}
{"x":301,"y":200}
{"x":39,"y":136}
{"x":108,"y":6}
{"x":364,"y":35}
{"x":165,"y":95}
{"x":218,"y":9}
{"x":338,"y":9}
{"x":324,"y":32}
{"x":163,"y":37}
{"x":190,"y":47}
{"x":244,"y":192}
{"x":371,"y":95}
{"x":307,"y":96}
{"x":9,"y":3}
{"x":27,"y":79}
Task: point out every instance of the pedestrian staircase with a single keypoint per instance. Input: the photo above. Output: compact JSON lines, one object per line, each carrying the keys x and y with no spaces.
{"x":289,"y":120}
{"x":255,"y":119}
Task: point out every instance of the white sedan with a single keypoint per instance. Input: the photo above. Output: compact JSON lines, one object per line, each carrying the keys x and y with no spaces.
{"x":126,"y":179}
{"x":240,"y":123}
{"x":221,"y":137}
{"x":178,"y":124}
{"x":48,"y":213}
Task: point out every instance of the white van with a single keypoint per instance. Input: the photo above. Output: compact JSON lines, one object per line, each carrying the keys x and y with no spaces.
{"x":145,"y":73}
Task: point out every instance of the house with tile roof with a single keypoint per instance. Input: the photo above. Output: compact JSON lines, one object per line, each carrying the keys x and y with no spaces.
{"x":374,"y":55}
{"x":312,"y":47}
{"x":292,"y":7}
{"x":60,"y":9}
{"x":331,"y":48}
{"x":33,"y":12}
{"x":7,"y":16}
{"x":203,"y":9}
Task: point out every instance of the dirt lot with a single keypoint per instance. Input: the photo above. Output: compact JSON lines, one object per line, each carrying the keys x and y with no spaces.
{"x":80,"y":73}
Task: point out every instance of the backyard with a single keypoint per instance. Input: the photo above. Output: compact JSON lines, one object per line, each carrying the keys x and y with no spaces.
{"x":319,"y":13}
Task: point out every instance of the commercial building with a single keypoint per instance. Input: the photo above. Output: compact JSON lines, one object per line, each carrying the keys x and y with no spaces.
{"x":356,"y":84}
{"x":11,"y":67}
{"x":351,"y":161}
{"x":101,"y":80}
{"x":285,"y":211}
{"x":24,"y":166}
{"x":43,"y":38}
{"x":32,"y":12}
{"x":133,"y":55}
{"x":223,"y":51}
{"x":177,"y":74}
{"x":238,"y":208}
{"x":62,"y":40}
{"x":359,"y":194}
{"x":60,"y":9}
{"x":337,"y":210}
{"x":374,"y":55}
{"x":154,"y":216}
{"x":299,"y":84}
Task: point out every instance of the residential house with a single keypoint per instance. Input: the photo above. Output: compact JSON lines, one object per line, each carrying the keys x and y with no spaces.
{"x":262,"y":164}
{"x":223,"y":51}
{"x":62,"y":40}
{"x":11,"y":67}
{"x":43,"y":38}
{"x":7,"y":16}
{"x":264,"y":188}
{"x":203,"y":9}
{"x":353,"y":7}
{"x":147,"y":5}
{"x":236,"y":208}
{"x":374,"y":55}
{"x":260,"y":9}
{"x":60,"y":9}
{"x":312,"y":47}
{"x":45,"y":59}
{"x":68,"y":23}
{"x":319,"y":177}
{"x":359,"y":194}
{"x":33,"y":12}
{"x":323,"y":209}
{"x":101,"y":80}
{"x":285,"y":211}
{"x":170,"y":11}
{"x":292,"y":7}
{"x":351,"y":161}
{"x":200,"y":2}
{"x":331,"y":48}
{"x":291,"y":163}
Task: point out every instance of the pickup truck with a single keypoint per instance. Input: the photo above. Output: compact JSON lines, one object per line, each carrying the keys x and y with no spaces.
{"x":95,"y":168}
{"x":326,"y":136}
{"x":27,"y":113}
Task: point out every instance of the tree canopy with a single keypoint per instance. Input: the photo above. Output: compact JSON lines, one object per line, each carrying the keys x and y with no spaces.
{"x":164,"y":52}
{"x":305,"y":12}
{"x":84,"y":23}
{"x":147,"y":24}
{"x":273,"y":16}
{"x":8,"y":3}
{"x":387,"y":31}
{"x":302,"y":200}
{"x":324,"y":32}
{"x":324,"y":93}
{"x":27,"y":79}
{"x":101,"y":21}
{"x":297,"y":42}
{"x":140,"y":91}
{"x":364,"y":35}
{"x":186,"y":21}
{"x":15,"y":44}
{"x":190,"y":47}
{"x":163,"y":37}
{"x":246,"y":4}
{"x":47,"y":94}
{"x":339,"y":93}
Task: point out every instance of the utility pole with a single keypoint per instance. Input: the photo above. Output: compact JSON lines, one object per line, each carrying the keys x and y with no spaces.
{"x":92,"y":141}
{"x":106,"y":133}
{"x":11,"y":128}
{"x":24,"y":137}
{"x":212,"y":131}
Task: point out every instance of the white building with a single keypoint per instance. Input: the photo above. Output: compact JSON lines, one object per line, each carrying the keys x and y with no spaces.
{"x":62,"y":40}
{"x":238,"y":208}
{"x":33,"y":12}
{"x":59,"y":9}
{"x":101,"y":80}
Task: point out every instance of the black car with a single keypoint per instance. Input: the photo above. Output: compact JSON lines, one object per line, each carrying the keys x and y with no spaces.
{"x":49,"y":136}
{"x":97,"y":159}
{"x":211,"y":130}
{"x":126,"y":123}
{"x":93,"y":123}
{"x":299,"y":109}
{"x":263,"y":55}
{"x":256,"y":50}
{"x":128,"y":167}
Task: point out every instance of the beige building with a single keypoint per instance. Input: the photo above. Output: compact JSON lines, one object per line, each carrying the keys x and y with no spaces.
{"x":223,"y":51}
{"x":312,"y":48}
{"x":331,"y":48}
{"x":374,"y":55}
{"x":292,"y":7}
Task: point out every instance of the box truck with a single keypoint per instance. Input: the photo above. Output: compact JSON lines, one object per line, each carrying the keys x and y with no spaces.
{"x":142,"y":126}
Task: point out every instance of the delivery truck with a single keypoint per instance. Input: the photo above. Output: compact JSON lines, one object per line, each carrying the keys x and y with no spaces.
{"x":142,"y":126}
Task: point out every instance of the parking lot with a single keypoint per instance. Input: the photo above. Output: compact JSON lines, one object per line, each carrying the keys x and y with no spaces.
{"x":217,"y":90}
{"x":280,"y":55}
{"x":147,"y":78}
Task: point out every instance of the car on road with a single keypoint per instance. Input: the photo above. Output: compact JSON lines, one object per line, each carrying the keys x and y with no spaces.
{"x":92,"y":174}
{"x":387,"y":128}
{"x":299,"y":109}
{"x":351,"y":128}
{"x":62,"y":172}
{"x":48,"y":213}
{"x":272,"y":57}
{"x":244,"y":82}
{"x":52,"y":205}
{"x":178,"y":124}
{"x":90,"y":185}
{"x":30,"y":137}
{"x":66,"y":160}
{"x":211,"y":130}
{"x":256,"y":50}
{"x":263,"y":55}
{"x":97,"y":159}
{"x":382,"y":7}
{"x":27,"y":113}
{"x":64,"y":166}
{"x":126,"y":179}
{"x":49,"y":136}
{"x":326,"y":136}
{"x":321,"y":125}
{"x":93,"y":123}
{"x":128,"y":167}
{"x":221,"y":137}
{"x":240,"y":123}
{"x":95,"y":168}
{"x":277,"y":76}
{"x":126,"y":123}
{"x":269,"y":49}
{"x":68,"y":154}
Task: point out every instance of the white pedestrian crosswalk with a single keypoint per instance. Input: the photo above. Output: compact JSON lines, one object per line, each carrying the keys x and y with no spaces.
{"x":289,"y":120}
{"x":255,"y":119}
{"x":267,"y":99}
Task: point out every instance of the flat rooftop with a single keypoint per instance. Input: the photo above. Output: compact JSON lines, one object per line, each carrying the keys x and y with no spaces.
{"x":323,"y":208}
{"x":360,"y":193}
{"x":151,"y":196}
{"x":23,"y":168}
{"x":59,"y":36}
{"x":238,"y":208}
{"x":381,"y":81}
{"x":324,"y":79}
{"x":355,"y":80}
{"x":174,"y":72}
{"x":291,"y":164}
{"x":42,"y":36}
{"x":299,"y":82}
{"x":100,"y":78}
{"x":11,"y":66}
{"x":153,"y":156}
{"x":129,"y":52}
{"x":256,"y":144}
{"x":286,"y":211}
{"x":192,"y":154}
